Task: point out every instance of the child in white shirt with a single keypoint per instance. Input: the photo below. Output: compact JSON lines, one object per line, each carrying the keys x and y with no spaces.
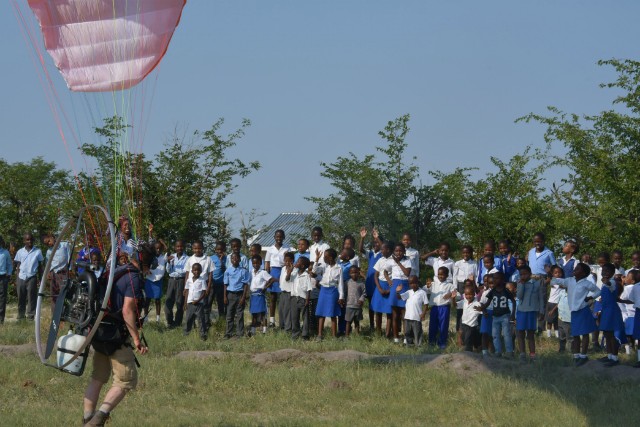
{"x":195,"y":289}
{"x":416,"y":304}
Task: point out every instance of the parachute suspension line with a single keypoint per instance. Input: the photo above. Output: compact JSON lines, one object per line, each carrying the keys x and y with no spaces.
{"x":51,"y":94}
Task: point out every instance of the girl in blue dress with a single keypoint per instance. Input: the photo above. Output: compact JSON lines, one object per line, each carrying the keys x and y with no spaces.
{"x":611,"y":323}
{"x":381,"y":300}
{"x":400,"y":272}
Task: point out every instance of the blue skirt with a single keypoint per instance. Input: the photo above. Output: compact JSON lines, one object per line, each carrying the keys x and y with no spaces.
{"x":597,"y":308}
{"x":275,"y":286}
{"x":153,"y":290}
{"x":370,"y":285}
{"x":636,"y":327}
{"x":257,"y":303}
{"x":526,"y":320}
{"x":395,"y":301}
{"x":628,"y":326}
{"x":328,"y":302}
{"x":486,"y":323}
{"x":582,"y":322}
{"x":381,"y":303}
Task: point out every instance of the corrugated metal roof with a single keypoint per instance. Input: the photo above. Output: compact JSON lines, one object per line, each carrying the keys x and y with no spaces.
{"x":295,"y":225}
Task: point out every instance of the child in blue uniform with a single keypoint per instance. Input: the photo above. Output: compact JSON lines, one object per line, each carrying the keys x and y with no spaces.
{"x":373,"y":255}
{"x":260,"y":282}
{"x":400,"y":271}
{"x":381,"y":301}
{"x":611,"y":323}
{"x":530,"y":294}
{"x":331,"y":296}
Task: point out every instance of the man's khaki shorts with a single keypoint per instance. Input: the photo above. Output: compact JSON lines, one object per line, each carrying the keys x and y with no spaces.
{"x":121,"y":363}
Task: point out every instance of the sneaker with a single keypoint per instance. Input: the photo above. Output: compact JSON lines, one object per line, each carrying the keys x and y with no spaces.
{"x":203,"y":337}
{"x":272,"y":325}
{"x":611,"y":363}
{"x":99,"y":419}
{"x":604,"y":359}
{"x":533,"y":358}
{"x":397,"y":341}
{"x":318,"y":338}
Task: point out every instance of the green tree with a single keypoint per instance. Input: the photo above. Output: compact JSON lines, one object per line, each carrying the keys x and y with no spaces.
{"x":599,"y":201}
{"x":370,"y":191}
{"x":34,"y":197}
{"x":511,"y":202}
{"x":192,"y":183}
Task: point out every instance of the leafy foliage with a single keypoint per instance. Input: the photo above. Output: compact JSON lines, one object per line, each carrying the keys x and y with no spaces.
{"x":33,"y":197}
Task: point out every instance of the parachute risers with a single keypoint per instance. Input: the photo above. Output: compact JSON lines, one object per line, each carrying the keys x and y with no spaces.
{"x":79,"y":327}
{"x":68,"y":345}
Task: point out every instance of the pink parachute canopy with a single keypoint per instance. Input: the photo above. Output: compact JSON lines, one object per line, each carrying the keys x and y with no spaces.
{"x":106,"y":45}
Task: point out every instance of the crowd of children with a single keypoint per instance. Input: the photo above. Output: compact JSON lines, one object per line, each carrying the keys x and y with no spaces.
{"x":502,"y":301}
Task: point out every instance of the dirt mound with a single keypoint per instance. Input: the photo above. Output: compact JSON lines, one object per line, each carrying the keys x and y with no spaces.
{"x":464,"y":363}
{"x":15,"y":350}
{"x":279,"y":356}
{"x":343,"y":355}
{"x":202,"y":355}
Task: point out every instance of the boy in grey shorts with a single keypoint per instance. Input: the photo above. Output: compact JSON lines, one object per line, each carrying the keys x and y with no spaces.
{"x":356,"y":294}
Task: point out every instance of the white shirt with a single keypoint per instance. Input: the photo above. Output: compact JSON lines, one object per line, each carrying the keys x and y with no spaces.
{"x":196,"y":288}
{"x":577,"y":291}
{"x":414,"y":256}
{"x":470,"y":316}
{"x":258,"y":280}
{"x":60,"y":260}
{"x":332,"y":277}
{"x":275,"y":256}
{"x":302,"y":284}
{"x":554,"y":293}
{"x":634,"y":295}
{"x":157,"y":273}
{"x":285,"y":286}
{"x":462,"y":270}
{"x":176,"y":266}
{"x":396,"y":271}
{"x":29,"y":261}
{"x":319,"y":247}
{"x":204,"y":261}
{"x":436,"y":263}
{"x":415,"y":301}
{"x":382,"y":265}
{"x":628,"y":310}
{"x":438,"y":291}
{"x":355,"y":261}
{"x":318,"y":270}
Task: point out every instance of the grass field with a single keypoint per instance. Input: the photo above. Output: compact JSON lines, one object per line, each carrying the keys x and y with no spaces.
{"x":409,"y":387}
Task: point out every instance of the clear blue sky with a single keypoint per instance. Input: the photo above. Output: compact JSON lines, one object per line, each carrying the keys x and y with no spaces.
{"x":319,"y":79}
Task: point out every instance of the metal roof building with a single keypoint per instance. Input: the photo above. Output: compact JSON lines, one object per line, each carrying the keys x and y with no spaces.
{"x":296,"y":225}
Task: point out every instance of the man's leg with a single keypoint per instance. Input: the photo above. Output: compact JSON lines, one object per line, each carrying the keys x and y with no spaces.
{"x":32,"y":296}
{"x":3,"y":298}
{"x":233,"y":300}
{"x":177,"y":320}
{"x":21,"y":289}
{"x":170,"y":301}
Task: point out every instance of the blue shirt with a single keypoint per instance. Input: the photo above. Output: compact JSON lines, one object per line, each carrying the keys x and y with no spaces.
{"x":85,"y":256}
{"x":537,"y":261}
{"x":235,"y":278}
{"x":297,"y":256}
{"x":482,"y":271}
{"x":244,"y":262}
{"x":567,"y":266}
{"x":130,"y":284}
{"x":29,"y":262}
{"x":346,"y":266}
{"x":6,"y":266}
{"x":507,"y":267}
{"x":221,"y":265}
{"x":175,"y":267}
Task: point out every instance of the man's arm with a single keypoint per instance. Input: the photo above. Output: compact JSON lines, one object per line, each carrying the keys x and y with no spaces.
{"x":129,"y":313}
